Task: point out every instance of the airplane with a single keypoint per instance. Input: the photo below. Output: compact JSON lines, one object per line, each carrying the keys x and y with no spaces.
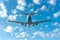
{"x":29,"y":20}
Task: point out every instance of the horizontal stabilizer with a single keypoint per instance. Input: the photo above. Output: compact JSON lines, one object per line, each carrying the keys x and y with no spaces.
{"x":29,"y":14}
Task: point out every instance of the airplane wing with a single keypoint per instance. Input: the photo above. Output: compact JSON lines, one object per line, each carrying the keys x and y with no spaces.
{"x":41,"y":21}
{"x":18,"y":22}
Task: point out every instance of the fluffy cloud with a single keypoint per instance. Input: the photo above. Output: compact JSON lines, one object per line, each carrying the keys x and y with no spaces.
{"x":54,"y":33}
{"x":52,"y":2}
{"x":43,"y":7}
{"x":37,"y":1}
{"x":12,"y":17}
{"x":48,"y":17}
{"x":20,"y":15}
{"x":22,"y":35}
{"x":25,"y":39}
{"x":3,"y":11}
{"x":20,"y":7}
{"x":56,"y":30}
{"x":38,"y":33}
{"x":36,"y":11}
{"x":57,"y":14}
{"x":42,"y":34}
{"x":14,"y":11}
{"x":8,"y":29}
{"x":21,"y":4}
{"x":20,"y":28}
{"x":56,"y":23}
{"x":32,"y":10}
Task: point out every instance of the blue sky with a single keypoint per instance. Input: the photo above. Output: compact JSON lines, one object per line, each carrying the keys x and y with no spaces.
{"x":45,"y":9}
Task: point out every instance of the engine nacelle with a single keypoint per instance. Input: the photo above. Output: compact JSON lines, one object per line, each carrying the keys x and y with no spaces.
{"x":36,"y":23}
{"x":22,"y":23}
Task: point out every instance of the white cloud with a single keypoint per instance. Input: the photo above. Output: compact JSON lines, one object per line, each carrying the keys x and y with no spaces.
{"x":17,"y":27}
{"x":59,"y":33}
{"x":20,"y":15}
{"x":43,"y":7}
{"x":52,"y":2}
{"x":23,"y":34}
{"x":36,"y":11}
{"x":21,"y":29}
{"x":56,"y":30}
{"x":46,"y":26}
{"x":59,"y":25}
{"x":32,"y":10}
{"x":12,"y":17}
{"x":47,"y":34}
{"x":55,"y":24}
{"x":8,"y":29}
{"x":30,"y":5}
{"x":17,"y":36}
{"x":41,"y":28}
{"x":21,"y":5}
{"x":53,"y":35}
{"x":14,"y":11}
{"x":35,"y":34}
{"x":25,"y":39}
{"x":48,"y":17}
{"x":3,"y":11}
{"x":41,"y":34}
{"x":37,"y":1}
{"x":21,"y":2}
{"x":57,"y":14}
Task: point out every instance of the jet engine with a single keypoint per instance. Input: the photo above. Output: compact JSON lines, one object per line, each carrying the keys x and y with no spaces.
{"x":22,"y":23}
{"x":36,"y":23}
